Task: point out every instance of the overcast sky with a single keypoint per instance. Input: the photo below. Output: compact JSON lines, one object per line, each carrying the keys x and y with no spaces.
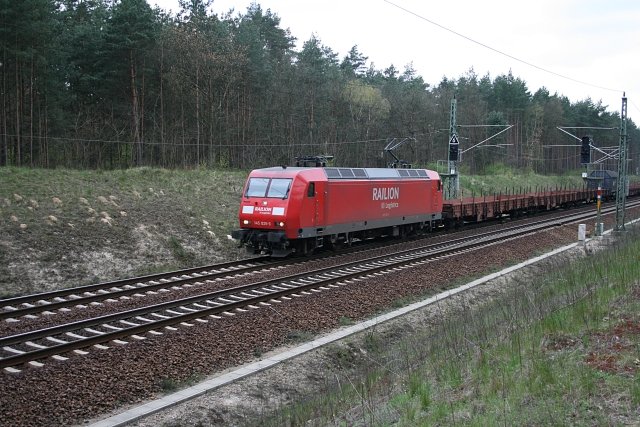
{"x":592,"y":41}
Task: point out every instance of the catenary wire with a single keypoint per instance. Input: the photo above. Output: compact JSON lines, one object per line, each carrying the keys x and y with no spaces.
{"x":499,"y":51}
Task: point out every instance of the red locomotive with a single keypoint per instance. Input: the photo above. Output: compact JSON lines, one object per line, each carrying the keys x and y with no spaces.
{"x":288,"y":210}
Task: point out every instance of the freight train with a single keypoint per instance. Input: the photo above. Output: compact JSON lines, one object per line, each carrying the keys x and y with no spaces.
{"x":295,"y":210}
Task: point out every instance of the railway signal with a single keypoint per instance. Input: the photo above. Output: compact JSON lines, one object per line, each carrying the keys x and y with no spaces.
{"x":454,"y":151}
{"x":451,"y":178}
{"x":587,"y":146}
{"x":585,"y":150}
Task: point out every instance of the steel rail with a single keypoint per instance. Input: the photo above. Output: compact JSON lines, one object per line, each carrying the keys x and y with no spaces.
{"x":42,"y":302}
{"x":131,"y":289}
{"x":32,"y":298}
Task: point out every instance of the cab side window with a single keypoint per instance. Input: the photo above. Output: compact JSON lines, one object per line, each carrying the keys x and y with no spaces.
{"x":311,"y":191}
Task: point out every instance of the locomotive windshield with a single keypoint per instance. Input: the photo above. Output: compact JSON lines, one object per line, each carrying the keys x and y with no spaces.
{"x":279,"y":188}
{"x":257,"y":187}
{"x":266,"y":187}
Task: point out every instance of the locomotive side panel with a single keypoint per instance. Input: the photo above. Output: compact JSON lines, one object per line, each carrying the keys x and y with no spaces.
{"x":352,"y":205}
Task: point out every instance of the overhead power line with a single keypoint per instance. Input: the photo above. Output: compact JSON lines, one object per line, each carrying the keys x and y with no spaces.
{"x":587,"y":127}
{"x":632,"y":103}
{"x":499,"y":51}
{"x":257,"y":144}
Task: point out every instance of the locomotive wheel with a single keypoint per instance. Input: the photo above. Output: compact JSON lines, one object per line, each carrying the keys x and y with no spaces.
{"x":340,"y":243}
{"x":304,"y":248}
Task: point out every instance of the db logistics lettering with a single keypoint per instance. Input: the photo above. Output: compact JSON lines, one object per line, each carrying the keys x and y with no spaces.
{"x":391,"y":205}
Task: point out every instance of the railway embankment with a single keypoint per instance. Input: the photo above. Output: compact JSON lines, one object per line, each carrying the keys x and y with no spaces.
{"x":62,"y":228}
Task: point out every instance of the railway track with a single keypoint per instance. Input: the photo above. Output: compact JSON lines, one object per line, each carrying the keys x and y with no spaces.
{"x":114,"y":329}
{"x":49,"y":302}
{"x":64,"y":300}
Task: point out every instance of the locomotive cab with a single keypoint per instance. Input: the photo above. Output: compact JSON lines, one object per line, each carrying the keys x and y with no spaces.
{"x":276,"y":204}
{"x":264,"y":203}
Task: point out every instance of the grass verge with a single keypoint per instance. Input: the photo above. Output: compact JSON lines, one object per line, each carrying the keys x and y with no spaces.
{"x":556,"y":350}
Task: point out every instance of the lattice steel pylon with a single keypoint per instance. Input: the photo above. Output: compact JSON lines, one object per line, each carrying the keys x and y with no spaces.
{"x":452,"y":188}
{"x":621,"y":185}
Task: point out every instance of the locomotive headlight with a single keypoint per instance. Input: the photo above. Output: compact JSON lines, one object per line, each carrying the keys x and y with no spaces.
{"x":281,"y":224}
{"x":246,"y":222}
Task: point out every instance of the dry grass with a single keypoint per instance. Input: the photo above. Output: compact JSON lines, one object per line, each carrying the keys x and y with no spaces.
{"x":62,"y":228}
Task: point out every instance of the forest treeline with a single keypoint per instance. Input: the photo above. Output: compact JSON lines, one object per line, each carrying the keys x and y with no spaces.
{"x":109,"y":84}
